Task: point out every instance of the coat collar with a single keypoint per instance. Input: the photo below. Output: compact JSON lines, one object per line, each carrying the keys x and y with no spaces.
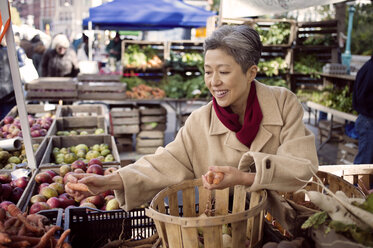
{"x":271,"y":116}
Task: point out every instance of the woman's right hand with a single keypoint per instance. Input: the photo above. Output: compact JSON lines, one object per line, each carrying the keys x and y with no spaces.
{"x":95,"y":184}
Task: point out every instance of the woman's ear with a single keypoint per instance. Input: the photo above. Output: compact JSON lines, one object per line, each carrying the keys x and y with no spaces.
{"x":251,"y":72}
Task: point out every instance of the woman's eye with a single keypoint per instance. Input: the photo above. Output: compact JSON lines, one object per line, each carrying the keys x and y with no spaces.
{"x":224,"y":72}
{"x":207,"y":72}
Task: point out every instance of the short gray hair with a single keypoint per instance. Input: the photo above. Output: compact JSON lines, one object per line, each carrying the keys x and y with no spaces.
{"x":60,"y":40}
{"x":242,"y":42}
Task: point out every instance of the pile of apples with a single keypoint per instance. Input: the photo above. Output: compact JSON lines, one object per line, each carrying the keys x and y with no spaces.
{"x":11,"y":190}
{"x":38,"y":126}
{"x":50,"y":188}
{"x":67,"y":155}
{"x":9,"y":159}
{"x":97,"y":131}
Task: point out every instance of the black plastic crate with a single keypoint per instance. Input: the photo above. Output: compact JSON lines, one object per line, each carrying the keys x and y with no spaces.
{"x":55,"y":217}
{"x":93,"y":228}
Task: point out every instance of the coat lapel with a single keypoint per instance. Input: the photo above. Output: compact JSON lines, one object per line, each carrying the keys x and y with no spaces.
{"x":271,"y":116}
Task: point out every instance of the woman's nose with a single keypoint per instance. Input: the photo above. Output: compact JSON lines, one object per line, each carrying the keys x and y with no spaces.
{"x":215,"y":80}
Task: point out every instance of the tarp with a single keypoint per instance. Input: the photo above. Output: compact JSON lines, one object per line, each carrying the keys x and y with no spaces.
{"x":146,"y":15}
{"x":250,"y":8}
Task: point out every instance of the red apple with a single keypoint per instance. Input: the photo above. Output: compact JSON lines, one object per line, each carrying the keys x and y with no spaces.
{"x":97,"y":200}
{"x":5,"y":204}
{"x":38,"y":198}
{"x":5,"y":178}
{"x":54,"y":202}
{"x":107,"y":192}
{"x":94,"y":161}
{"x":6,"y":191}
{"x":78,"y":164}
{"x":66,"y":176}
{"x":43,"y":185}
{"x":52,"y":173}
{"x":57,"y":179}
{"x":8,"y":119}
{"x":20,"y":182}
{"x":95,"y":169}
{"x":43,"y":177}
{"x":66,"y":200}
{"x":88,"y":204}
{"x":79,"y":171}
{"x":16,"y":194}
{"x":38,"y":206}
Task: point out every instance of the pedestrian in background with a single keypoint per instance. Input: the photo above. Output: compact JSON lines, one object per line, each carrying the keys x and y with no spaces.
{"x":114,"y":49}
{"x":60,"y":60}
{"x":362,"y":101}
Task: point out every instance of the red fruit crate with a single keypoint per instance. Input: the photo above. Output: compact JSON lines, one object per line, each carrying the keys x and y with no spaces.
{"x":93,"y":228}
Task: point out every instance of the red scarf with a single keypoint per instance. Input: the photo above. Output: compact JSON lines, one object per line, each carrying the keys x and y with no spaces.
{"x":253,"y":116}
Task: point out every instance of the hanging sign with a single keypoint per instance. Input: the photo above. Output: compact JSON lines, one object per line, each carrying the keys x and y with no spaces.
{"x":250,"y":8}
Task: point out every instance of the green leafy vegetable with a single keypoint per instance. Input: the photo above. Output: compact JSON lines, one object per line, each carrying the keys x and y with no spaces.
{"x":315,"y":220}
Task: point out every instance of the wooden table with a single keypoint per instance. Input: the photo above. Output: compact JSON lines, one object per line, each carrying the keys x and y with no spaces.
{"x":338,"y":79}
{"x":333,"y":112}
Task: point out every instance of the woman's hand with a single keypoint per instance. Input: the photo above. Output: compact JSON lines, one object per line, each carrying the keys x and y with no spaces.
{"x":231,"y":176}
{"x":96,"y":184}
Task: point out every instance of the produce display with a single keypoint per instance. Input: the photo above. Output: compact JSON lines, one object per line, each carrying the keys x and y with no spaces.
{"x":351,"y":217}
{"x":39,"y":126}
{"x":276,"y":34}
{"x":273,"y":67}
{"x":80,"y":132}
{"x":339,"y":99}
{"x":12,"y":188}
{"x":143,"y":91}
{"x":49,"y":191}
{"x":67,"y":155}
{"x":177,"y":87}
{"x":33,"y":230}
{"x":308,"y":64}
{"x":179,"y":61}
{"x":9,"y":160}
{"x":136,"y":56}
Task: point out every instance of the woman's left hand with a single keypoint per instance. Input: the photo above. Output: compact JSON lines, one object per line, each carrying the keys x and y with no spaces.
{"x":231,"y":177}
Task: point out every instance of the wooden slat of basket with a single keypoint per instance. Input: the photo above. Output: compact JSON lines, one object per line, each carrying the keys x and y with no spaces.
{"x":174,"y":235}
{"x":203,"y":195}
{"x":238,"y":236}
{"x":173,"y":204}
{"x":221,"y":201}
{"x":255,"y":233}
{"x":212,"y":237}
{"x":161,"y":230}
{"x":190,"y":237}
{"x":189,"y":202}
{"x":239,"y":199}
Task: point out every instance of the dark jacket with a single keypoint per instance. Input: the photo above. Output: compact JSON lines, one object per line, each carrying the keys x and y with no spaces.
{"x":55,"y":65}
{"x":362,"y":99}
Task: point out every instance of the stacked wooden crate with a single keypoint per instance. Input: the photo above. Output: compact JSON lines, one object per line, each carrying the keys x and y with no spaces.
{"x":153,"y":119}
{"x":125,"y":121}
{"x":52,"y":88}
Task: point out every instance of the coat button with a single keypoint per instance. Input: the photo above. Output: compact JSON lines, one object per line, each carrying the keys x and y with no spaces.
{"x":268,"y":164}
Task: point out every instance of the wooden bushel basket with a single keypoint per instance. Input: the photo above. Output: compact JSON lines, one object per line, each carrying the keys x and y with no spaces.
{"x":178,"y":229}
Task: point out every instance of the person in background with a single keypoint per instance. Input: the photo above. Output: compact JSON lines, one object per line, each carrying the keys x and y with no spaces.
{"x":251,"y":132}
{"x":362,"y":102}
{"x":7,"y":97}
{"x":60,"y":60}
{"x":114,"y":49}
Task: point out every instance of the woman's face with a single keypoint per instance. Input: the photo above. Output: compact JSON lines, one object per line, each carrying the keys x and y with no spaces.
{"x":226,"y":81}
{"x":61,"y":50}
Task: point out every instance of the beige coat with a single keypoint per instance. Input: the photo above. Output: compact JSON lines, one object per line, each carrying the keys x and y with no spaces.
{"x":283,"y":151}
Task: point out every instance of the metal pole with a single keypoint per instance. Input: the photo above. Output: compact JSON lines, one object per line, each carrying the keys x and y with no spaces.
{"x":17,"y":85}
{"x":346,"y":56}
{"x":90,"y":41}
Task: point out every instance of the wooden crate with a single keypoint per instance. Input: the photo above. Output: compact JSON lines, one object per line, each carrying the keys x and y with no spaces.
{"x":101,"y":91}
{"x":98,"y":78}
{"x":153,"y":117}
{"x":125,"y":120}
{"x":360,"y":175}
{"x":178,"y":226}
{"x":89,"y":140}
{"x":83,"y":110}
{"x":149,"y":141}
{"x":124,"y":142}
{"x":52,"y":88}
{"x":86,"y":123}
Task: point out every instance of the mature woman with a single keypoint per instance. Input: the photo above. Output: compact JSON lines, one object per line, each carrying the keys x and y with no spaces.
{"x":60,"y":60}
{"x":251,"y":132}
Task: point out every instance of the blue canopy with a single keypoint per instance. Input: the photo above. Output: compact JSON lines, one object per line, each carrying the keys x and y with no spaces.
{"x":146,"y":15}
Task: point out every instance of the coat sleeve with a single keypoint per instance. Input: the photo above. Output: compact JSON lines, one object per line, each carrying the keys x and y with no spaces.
{"x":296,"y":156}
{"x":152,"y":173}
{"x":44,"y":64}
